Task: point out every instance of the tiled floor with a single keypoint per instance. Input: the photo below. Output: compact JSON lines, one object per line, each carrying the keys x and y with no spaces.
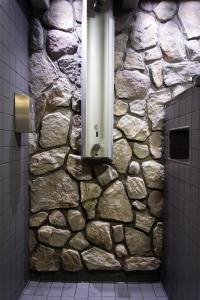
{"x":93,"y":291}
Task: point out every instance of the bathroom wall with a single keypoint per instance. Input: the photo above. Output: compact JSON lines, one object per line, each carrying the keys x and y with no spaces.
{"x":105,"y":217}
{"x":13,"y":152}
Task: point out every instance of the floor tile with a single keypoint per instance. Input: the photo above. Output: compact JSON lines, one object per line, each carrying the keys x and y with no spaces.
{"x":40,"y":298}
{"x":26,"y":297}
{"x":55,"y":291}
{"x":29,"y":290}
{"x":42,"y":291}
{"x":68,"y":292}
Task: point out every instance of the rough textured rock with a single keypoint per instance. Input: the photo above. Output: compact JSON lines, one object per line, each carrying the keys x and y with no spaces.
{"x":75,"y":220}
{"x":78,"y":242}
{"x":120,"y":108}
{"x":133,"y":60}
{"x":41,"y":73}
{"x":90,"y":208}
{"x":114,"y":204}
{"x":45,"y":259}
{"x":118,"y":233}
{"x":146,"y":5}
{"x":56,"y":190}
{"x":141,"y":264}
{"x":105,"y":174}
{"x":155,"y":144}
{"x":120,"y":160}
{"x":60,"y":43}
{"x":38,"y":219}
{"x":137,"y":242}
{"x":40,"y":108}
{"x":32,"y":142}
{"x":155,"y":105}
{"x":32,"y":241}
{"x":76,"y":101}
{"x":120,"y":47}
{"x":144,"y":221}
{"x":153,"y":173}
{"x":156,"y":73}
{"x":138,"y":205}
{"x":193,"y":49}
{"x":134,"y":128}
{"x":180,"y":88}
{"x":152,"y":54}
{"x":165,"y":10}
{"x":180,"y":72}
{"x":36,"y":35}
{"x":53,"y":236}
{"x":89,"y":190}
{"x":173,"y":51}
{"x":131,"y":84}
{"x":144,"y":32}
{"x":140,"y":150}
{"x":134,"y":168}
{"x":59,"y":15}
{"x":75,"y":135}
{"x":136,"y":188}
{"x":54,"y":131}
{"x":78,"y":169}
{"x":158,"y":239}
{"x":70,"y":65}
{"x":57,"y":218}
{"x":117,"y":134}
{"x":61,"y":93}
{"x":138,"y":107}
{"x":189,"y":17}
{"x":78,"y":10}
{"x":155,"y":203}
{"x":98,"y":259}
{"x":71,"y":260}
{"x":120,"y":250}
{"x":47,"y":161}
{"x":98,"y":233}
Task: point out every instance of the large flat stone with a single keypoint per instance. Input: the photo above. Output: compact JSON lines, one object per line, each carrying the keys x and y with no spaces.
{"x":89,"y":191}
{"x":98,"y":233}
{"x":141,"y":264}
{"x":120,"y":160}
{"x":189,"y":16}
{"x":136,"y":188}
{"x":53,"y":236}
{"x":144,"y":221}
{"x":71,"y":260}
{"x":138,"y":243}
{"x":45,"y":259}
{"x":153,"y":173}
{"x":165,"y":10}
{"x":75,"y":220}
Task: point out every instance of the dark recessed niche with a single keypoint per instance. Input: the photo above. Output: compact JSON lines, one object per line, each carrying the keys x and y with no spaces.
{"x":179,"y":144}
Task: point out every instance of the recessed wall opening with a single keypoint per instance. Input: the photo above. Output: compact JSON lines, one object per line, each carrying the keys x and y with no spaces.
{"x":179,"y":144}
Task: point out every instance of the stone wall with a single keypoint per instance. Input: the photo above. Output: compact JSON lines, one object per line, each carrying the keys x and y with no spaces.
{"x":105,"y":217}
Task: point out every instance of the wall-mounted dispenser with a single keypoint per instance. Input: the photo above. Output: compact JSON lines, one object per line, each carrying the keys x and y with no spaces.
{"x":24,"y":114}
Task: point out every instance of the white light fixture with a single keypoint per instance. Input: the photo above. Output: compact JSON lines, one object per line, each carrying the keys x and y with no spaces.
{"x":97,"y":79}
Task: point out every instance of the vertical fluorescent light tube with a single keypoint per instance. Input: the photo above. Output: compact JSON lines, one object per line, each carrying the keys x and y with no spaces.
{"x":97,"y":82}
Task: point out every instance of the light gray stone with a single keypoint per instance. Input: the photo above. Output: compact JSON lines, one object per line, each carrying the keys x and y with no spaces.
{"x":105,"y":174}
{"x":138,"y":205}
{"x":56,"y":190}
{"x":138,"y":107}
{"x":134,"y":128}
{"x":40,"y":108}
{"x":75,"y":135}
{"x":60,"y":94}
{"x":78,"y":10}
{"x":165,"y":10}
{"x":153,"y":173}
{"x":155,"y":203}
{"x":71,"y":260}
{"x":98,"y":233}
{"x":75,"y":220}
{"x":136,"y":188}
{"x":193,"y":49}
{"x":36,"y":35}
{"x":131,"y":84}
{"x":89,"y":190}
{"x":45,"y":259}
{"x":156,"y":73}
{"x":117,"y":134}
{"x":173,"y":51}
{"x":189,"y":16}
{"x":47,"y":161}
{"x":60,"y":43}
{"x":144,"y":221}
{"x":133,"y":60}
{"x":78,"y":169}
{"x":55,"y":128}
{"x":118,"y":233}
{"x":114,"y":204}
{"x":76,"y":100}
{"x":158,"y":239}
{"x":141,"y":264}
{"x":146,"y":5}
{"x":134,"y":168}
{"x":120,"y":47}
{"x":70,"y":65}
{"x":32,"y":241}
{"x":180,"y":88}
{"x":98,"y":259}
{"x":180,"y":72}
{"x":144,"y":31}
{"x":59,"y":15}
{"x":120,"y":108}
{"x":32,"y":142}
{"x":38,"y":219}
{"x":120,"y":160}
{"x":121,"y":250}
{"x":90,"y":208}
{"x":53,"y":236}
{"x":79,"y":242}
{"x":138,"y":243}
{"x":57,"y":218}
{"x":155,"y":144}
{"x":140,"y":150}
{"x":41,"y":73}
{"x":153,"y":54}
